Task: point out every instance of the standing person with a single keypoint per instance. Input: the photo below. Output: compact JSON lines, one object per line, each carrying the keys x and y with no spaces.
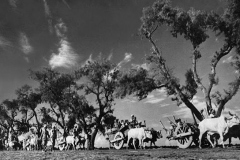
{"x":44,"y":136}
{"x":65,"y":132}
{"x":53,"y":136}
{"x":133,"y":121}
{"x":75,"y":134}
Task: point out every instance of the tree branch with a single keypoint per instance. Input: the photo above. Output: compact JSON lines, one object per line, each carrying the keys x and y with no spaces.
{"x":218,"y":55}
{"x":195,"y":73}
{"x":27,"y":120}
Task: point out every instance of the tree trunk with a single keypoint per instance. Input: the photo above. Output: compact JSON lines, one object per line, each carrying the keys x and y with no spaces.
{"x":38,"y":124}
{"x":189,"y":104}
{"x":88,"y":140}
{"x":193,"y":109}
{"x":220,"y":108}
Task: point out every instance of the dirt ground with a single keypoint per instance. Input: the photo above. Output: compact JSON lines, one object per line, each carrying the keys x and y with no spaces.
{"x":123,"y":154}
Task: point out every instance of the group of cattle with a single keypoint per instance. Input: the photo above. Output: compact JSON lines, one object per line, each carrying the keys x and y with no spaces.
{"x":221,"y":127}
{"x":143,"y":136}
{"x":225,"y":127}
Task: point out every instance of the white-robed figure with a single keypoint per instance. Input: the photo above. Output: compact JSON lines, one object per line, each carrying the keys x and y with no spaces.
{"x":44,"y":136}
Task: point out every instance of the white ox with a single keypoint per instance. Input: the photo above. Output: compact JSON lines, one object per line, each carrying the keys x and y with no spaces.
{"x":140,"y":134}
{"x":70,"y":140}
{"x":218,"y":125}
{"x":33,"y":142}
{"x":24,"y":139}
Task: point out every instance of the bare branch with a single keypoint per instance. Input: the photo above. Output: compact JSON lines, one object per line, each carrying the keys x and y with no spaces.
{"x":218,"y":55}
{"x":196,"y":55}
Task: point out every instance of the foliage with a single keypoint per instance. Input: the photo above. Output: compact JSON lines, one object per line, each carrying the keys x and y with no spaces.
{"x":100,"y":80}
{"x":28,"y":99}
{"x":195,"y":26}
{"x":54,"y":87}
{"x":9,"y":110}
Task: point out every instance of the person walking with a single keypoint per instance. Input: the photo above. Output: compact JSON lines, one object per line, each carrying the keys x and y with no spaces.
{"x":53,"y":136}
{"x":44,"y":136}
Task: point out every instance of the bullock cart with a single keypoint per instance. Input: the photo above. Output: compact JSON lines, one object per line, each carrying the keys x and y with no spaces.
{"x":184,"y":133}
{"x":118,"y":137}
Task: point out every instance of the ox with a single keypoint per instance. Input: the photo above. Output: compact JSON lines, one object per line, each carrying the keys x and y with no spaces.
{"x":24,"y":139}
{"x":218,"y":125}
{"x":82,"y":140}
{"x":33,"y":142}
{"x":234,"y":132}
{"x":155,"y":135}
{"x":69,"y":141}
{"x":140,"y":134}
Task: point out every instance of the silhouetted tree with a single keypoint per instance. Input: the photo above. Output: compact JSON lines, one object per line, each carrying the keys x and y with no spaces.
{"x":99,"y":79}
{"x":9,"y":114}
{"x":29,"y":99}
{"x":53,"y":87}
{"x":195,"y":26}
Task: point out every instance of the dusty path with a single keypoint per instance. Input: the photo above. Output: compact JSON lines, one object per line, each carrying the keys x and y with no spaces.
{"x":160,"y":153}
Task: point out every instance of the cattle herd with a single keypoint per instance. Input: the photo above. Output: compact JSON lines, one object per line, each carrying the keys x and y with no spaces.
{"x":212,"y":129}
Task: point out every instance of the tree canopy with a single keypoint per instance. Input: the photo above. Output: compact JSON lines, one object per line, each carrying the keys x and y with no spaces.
{"x":195,"y":26}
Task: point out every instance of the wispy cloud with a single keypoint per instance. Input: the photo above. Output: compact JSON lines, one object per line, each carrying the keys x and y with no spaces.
{"x":154,"y":100}
{"x":24,"y":44}
{"x":164,"y":105}
{"x":185,"y":112}
{"x":130,"y":100}
{"x":110,"y":56}
{"x":64,"y":1}
{"x":66,"y":56}
{"x":4,"y":43}
{"x":156,"y":97}
{"x":13,"y":3}
{"x":228,"y":60}
{"x":61,"y":29}
{"x":90,"y":59}
{"x":48,"y":16}
{"x":144,"y":66}
{"x":27,"y":59}
{"x":232,"y":110}
{"x":151,"y":98}
{"x":127,"y":58}
{"x":162,"y":92}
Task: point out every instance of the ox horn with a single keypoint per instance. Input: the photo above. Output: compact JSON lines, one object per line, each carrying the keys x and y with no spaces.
{"x":230,"y":113}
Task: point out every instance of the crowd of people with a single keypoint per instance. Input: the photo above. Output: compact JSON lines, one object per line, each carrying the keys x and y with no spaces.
{"x":47,"y":138}
{"x":119,"y":124}
{"x":51,"y":134}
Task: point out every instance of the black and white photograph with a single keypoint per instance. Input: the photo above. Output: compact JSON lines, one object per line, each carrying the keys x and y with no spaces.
{"x":119,"y":79}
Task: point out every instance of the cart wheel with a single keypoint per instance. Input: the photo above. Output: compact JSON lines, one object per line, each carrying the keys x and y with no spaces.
{"x":119,"y":144}
{"x":186,"y":141}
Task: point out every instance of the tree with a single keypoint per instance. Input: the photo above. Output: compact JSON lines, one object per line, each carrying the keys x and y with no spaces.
{"x":99,"y":79}
{"x":53,"y":87}
{"x":29,"y":100}
{"x":195,"y":26}
{"x":9,"y":110}
{"x":83,"y":113}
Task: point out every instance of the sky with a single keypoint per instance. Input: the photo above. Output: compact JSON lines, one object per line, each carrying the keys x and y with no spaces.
{"x":64,"y":34}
